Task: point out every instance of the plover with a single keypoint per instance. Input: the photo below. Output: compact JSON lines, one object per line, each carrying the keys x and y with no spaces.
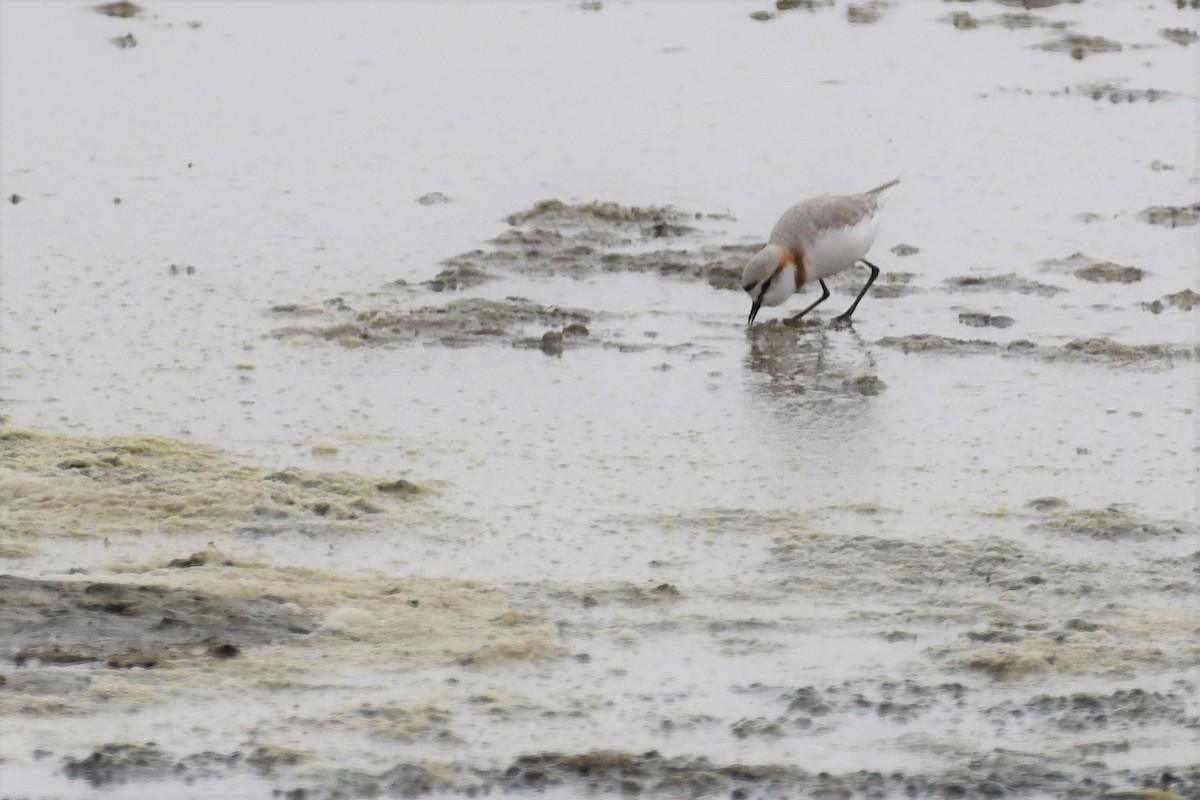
{"x":812,"y":240}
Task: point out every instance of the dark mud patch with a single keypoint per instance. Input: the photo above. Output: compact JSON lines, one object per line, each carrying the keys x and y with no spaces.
{"x":1116,"y":92}
{"x":1008,"y":282}
{"x":867,"y":13}
{"x":122,"y":10}
{"x":810,"y":710}
{"x":1080,"y":46}
{"x":1184,"y":300}
{"x":931,"y":343}
{"x":1110,"y":273}
{"x":462,"y":322}
{"x":122,"y":762}
{"x":903,"y":250}
{"x":1181,"y":36}
{"x":1172,"y":216}
{"x":1097,"y":712}
{"x":998,"y":773}
{"x":1098,"y":349}
{"x":53,"y":623}
{"x":433,"y":199}
{"x":806,"y":5}
{"x":617,"y":594}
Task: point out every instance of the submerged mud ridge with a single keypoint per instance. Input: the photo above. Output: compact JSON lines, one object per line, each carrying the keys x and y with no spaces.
{"x":555,"y":238}
{"x":1099,"y":349}
{"x":550,"y":239}
{"x":460,"y":323}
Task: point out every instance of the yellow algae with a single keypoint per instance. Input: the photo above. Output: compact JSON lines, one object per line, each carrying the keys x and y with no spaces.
{"x":56,"y":484}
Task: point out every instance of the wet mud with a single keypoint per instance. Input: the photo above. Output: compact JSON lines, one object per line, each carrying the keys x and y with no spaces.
{"x":561,"y":599}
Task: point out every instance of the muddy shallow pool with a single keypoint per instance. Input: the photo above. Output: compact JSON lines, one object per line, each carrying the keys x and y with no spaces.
{"x":380,"y":417}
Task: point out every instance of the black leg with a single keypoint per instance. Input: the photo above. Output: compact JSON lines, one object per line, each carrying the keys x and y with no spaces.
{"x":844,"y":319}
{"x":824,"y":296}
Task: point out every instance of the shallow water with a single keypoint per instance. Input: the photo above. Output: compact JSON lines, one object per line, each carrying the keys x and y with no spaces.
{"x":804,"y":550}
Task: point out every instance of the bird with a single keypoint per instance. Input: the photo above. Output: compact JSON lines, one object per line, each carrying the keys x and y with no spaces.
{"x":814,"y":239}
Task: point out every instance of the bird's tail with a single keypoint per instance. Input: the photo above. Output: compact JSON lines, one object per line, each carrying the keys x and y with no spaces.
{"x":881,"y":189}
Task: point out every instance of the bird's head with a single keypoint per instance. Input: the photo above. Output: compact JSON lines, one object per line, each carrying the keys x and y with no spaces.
{"x":766,"y":278}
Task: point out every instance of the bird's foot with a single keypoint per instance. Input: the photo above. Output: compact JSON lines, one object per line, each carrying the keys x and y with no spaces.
{"x":841,"y":321}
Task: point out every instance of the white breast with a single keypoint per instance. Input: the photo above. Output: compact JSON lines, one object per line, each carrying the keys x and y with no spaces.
{"x":833,"y":250}
{"x":782,"y":286}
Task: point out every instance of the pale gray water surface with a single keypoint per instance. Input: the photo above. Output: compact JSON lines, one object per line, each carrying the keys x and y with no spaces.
{"x":961,"y":559}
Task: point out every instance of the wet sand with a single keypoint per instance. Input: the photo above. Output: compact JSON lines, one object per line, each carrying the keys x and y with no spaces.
{"x":359,"y":454}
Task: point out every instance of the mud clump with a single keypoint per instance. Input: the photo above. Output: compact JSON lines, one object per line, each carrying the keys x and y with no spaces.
{"x":1110,"y":273}
{"x":74,"y":622}
{"x":903,"y":250}
{"x":1182,"y":36}
{"x":1172,"y":216}
{"x":977,"y":319}
{"x":1080,"y":46}
{"x":1184,"y":300}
